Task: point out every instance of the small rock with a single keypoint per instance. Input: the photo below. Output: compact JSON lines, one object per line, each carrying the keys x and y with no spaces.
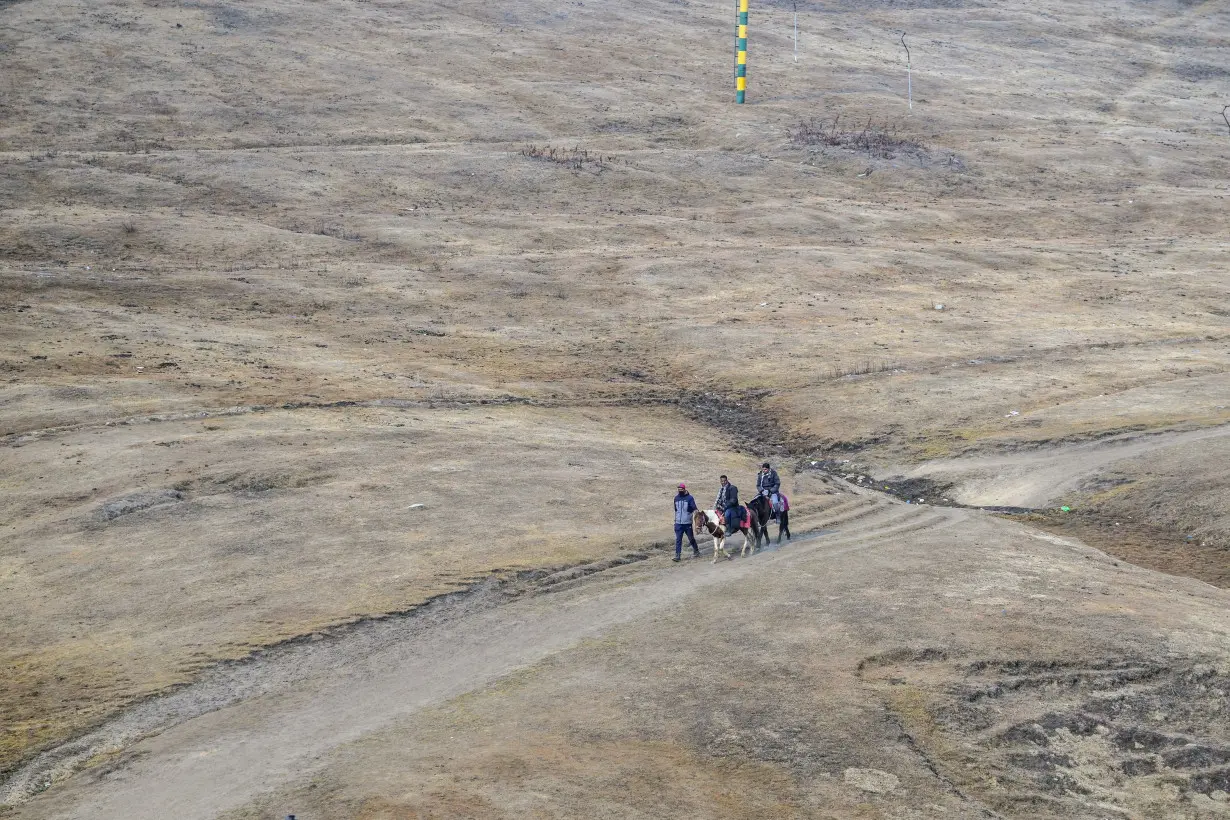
{"x":417,"y":507}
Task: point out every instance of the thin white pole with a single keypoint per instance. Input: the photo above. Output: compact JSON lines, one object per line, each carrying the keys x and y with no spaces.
{"x":796,"y":35}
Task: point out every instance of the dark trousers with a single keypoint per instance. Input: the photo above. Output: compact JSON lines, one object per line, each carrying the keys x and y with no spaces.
{"x":733,"y":520}
{"x":783,"y":525}
{"x":680,"y":531}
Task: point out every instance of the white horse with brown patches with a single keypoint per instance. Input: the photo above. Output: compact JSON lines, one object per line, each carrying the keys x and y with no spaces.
{"x":711,"y":521}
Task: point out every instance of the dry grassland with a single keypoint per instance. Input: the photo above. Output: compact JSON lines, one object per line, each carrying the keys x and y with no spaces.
{"x":218,"y":536}
{"x":286,"y":270}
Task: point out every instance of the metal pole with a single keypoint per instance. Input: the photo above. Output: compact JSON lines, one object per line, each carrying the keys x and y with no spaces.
{"x":741,"y":55}
{"x":796,"y":30}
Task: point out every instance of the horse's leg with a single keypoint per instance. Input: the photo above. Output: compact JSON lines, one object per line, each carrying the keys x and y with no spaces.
{"x":717,"y":547}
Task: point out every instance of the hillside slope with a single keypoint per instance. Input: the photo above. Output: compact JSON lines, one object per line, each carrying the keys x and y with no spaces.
{"x":274,"y":275}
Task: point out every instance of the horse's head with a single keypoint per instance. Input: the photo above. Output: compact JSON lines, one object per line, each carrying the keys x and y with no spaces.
{"x":698,"y":520}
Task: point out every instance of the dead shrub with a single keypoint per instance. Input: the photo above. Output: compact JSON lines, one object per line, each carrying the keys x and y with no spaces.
{"x":574,"y":159}
{"x":863,"y":368}
{"x":881,"y":140}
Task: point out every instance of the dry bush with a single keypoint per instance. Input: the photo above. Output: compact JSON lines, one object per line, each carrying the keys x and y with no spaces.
{"x":880,"y":140}
{"x":574,"y":159}
{"x":864,"y":368}
{"x":337,"y":231}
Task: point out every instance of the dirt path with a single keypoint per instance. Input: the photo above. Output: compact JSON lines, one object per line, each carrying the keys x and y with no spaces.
{"x":1036,"y":478}
{"x":283,"y":712}
{"x":899,"y":655}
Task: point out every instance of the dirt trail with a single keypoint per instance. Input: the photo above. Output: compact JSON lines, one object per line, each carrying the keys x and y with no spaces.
{"x":1037,"y":478}
{"x":285,"y":711}
{"x":952,"y":644}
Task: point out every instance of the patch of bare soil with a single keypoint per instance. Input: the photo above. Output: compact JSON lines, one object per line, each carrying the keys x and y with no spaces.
{"x":1146,"y":545}
{"x":1048,"y":738}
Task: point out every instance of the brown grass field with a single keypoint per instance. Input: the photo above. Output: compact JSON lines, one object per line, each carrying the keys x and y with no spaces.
{"x":273,"y":275}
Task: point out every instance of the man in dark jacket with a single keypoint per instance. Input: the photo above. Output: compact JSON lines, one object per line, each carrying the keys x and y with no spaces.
{"x":769,"y":485}
{"x":685,"y":505}
{"x":728,"y":502}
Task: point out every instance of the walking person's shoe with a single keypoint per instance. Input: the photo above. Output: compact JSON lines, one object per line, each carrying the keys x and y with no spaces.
{"x":675,"y":559}
{"x":695,"y":553}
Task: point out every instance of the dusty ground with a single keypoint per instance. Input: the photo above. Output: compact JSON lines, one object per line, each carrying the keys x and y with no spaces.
{"x":148,"y":552}
{"x":240,"y":246}
{"x":823,"y":679}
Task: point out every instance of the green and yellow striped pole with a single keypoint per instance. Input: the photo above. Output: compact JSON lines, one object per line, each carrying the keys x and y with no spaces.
{"x":741,"y":53}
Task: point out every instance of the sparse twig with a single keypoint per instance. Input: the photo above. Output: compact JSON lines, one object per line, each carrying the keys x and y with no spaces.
{"x":865,"y":368}
{"x":909,"y":72}
{"x":574,"y":159}
{"x":1224,"y":117}
{"x":879,"y":140}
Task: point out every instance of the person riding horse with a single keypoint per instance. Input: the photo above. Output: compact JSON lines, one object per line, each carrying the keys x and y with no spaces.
{"x":727,"y":503}
{"x":769,"y":486}
{"x":763,"y":513}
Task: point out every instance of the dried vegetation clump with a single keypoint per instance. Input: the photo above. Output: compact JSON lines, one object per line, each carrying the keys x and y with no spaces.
{"x":574,"y":159}
{"x":881,"y":140}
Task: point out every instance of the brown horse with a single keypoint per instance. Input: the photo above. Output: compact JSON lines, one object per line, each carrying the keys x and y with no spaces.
{"x":761,"y":511}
